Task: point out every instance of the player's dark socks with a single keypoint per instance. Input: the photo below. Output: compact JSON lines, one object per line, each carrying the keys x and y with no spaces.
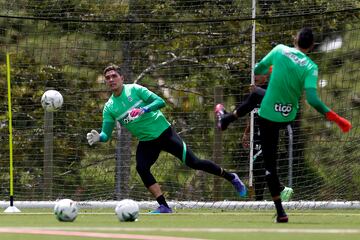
{"x":226,"y":119}
{"x":279,"y":208}
{"x":161,"y":200}
{"x":228,"y":176}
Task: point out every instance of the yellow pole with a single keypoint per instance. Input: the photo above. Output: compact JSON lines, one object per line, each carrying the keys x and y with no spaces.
{"x":10,"y":129}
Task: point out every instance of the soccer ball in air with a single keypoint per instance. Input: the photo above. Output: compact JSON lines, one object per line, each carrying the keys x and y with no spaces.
{"x":65,"y":210}
{"x":52,"y":100}
{"x":127,"y":210}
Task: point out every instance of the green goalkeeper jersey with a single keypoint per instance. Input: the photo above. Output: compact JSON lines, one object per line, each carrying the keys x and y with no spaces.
{"x":293,"y":71}
{"x":147,"y":126}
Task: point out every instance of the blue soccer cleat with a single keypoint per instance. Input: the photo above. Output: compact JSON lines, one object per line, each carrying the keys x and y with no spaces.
{"x":239,"y":185}
{"x":161,"y":209}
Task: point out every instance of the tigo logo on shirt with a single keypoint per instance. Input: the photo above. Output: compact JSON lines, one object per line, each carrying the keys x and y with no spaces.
{"x":283,"y":109}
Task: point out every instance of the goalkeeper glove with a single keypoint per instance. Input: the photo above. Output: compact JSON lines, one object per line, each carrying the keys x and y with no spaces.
{"x":136,"y":112}
{"x":93,"y":137}
{"x":344,"y":124}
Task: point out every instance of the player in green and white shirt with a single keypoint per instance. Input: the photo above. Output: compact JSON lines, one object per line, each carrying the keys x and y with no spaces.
{"x":138,"y":109}
{"x":293,"y":72}
{"x":134,"y":96}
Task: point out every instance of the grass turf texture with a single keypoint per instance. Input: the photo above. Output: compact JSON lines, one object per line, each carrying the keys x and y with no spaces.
{"x":199,"y":223}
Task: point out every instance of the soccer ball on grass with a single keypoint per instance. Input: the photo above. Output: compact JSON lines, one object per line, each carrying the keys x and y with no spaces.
{"x":127,"y":210}
{"x":52,"y":100}
{"x":66,"y":210}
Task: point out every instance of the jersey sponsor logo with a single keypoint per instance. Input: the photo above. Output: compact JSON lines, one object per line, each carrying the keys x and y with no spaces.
{"x":127,"y":119}
{"x":284,"y":109}
{"x":125,"y":116}
{"x":300,"y":61}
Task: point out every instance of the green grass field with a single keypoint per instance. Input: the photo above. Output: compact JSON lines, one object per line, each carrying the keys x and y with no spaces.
{"x":184,"y":224}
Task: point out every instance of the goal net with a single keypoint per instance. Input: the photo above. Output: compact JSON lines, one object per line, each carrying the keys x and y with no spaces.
{"x":193,"y":54}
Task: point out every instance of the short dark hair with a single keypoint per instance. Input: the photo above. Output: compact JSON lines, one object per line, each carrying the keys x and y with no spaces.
{"x":114,"y":67}
{"x":305,"y":38}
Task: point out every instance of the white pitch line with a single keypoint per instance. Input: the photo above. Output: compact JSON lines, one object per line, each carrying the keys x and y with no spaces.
{"x":204,"y":230}
{"x":207,"y":214}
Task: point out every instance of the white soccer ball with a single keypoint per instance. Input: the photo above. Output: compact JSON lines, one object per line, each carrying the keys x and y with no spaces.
{"x":66,"y":210}
{"x":127,"y":210}
{"x":52,"y":100}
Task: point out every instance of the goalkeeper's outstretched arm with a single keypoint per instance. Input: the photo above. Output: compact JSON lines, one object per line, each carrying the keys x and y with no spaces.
{"x":315,"y":102}
{"x":94,"y":136}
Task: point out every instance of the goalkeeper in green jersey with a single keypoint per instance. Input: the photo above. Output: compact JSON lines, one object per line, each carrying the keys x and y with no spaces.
{"x":138,"y":110}
{"x":293,"y":72}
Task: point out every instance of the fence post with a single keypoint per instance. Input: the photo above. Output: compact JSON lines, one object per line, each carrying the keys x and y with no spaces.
{"x":48,"y":154}
{"x":218,"y":144}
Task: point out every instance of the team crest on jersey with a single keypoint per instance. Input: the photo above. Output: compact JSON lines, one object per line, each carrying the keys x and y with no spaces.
{"x":284,"y":109}
{"x":130,"y":99}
